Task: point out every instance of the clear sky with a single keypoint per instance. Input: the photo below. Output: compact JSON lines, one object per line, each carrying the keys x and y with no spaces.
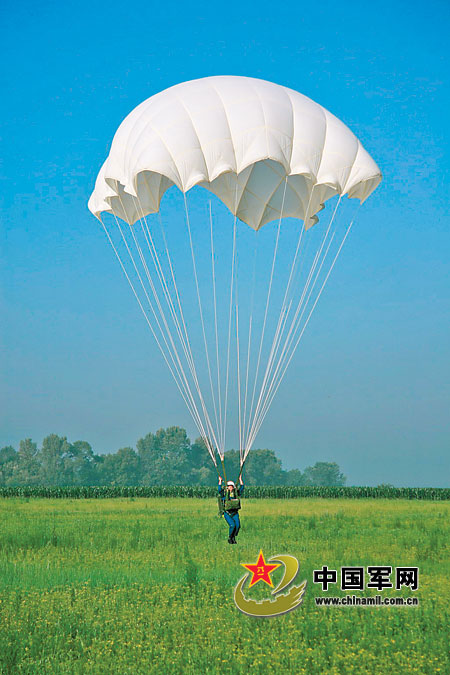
{"x":370,"y":387}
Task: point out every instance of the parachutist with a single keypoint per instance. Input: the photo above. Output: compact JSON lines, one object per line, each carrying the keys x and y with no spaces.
{"x":230,"y":503}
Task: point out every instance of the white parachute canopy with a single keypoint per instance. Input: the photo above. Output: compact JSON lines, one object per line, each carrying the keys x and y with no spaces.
{"x":269,"y":154}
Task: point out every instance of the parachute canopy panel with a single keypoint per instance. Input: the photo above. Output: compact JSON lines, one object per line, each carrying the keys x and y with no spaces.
{"x":265,"y":150}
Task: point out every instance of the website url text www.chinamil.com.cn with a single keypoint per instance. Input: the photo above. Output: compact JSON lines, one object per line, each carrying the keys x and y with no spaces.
{"x":375,"y":601}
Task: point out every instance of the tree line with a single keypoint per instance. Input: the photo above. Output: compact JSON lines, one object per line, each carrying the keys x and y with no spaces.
{"x":166,"y":457}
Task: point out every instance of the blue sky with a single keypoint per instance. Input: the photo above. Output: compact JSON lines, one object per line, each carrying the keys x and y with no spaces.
{"x":370,"y":386}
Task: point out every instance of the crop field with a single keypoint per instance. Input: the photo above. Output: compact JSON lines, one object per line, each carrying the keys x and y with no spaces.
{"x":135,"y":585}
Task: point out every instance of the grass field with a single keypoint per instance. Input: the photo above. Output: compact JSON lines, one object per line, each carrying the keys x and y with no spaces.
{"x":146,"y":586}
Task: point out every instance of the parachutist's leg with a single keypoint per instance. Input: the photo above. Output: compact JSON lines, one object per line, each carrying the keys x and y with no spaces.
{"x":231,"y":525}
{"x":237,"y":526}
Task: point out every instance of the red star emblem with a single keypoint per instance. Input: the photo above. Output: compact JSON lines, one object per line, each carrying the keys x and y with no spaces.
{"x":261,"y":571}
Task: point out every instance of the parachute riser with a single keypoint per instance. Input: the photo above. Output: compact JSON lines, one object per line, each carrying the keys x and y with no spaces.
{"x":240,"y":472}
{"x":224,"y":472}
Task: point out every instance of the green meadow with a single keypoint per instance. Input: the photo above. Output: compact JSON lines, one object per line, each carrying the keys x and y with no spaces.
{"x":146,"y":586}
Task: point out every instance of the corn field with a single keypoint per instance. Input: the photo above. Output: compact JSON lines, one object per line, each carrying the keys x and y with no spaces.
{"x":252,"y":492}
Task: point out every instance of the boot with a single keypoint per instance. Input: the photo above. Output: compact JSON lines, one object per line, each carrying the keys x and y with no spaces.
{"x":230,"y":540}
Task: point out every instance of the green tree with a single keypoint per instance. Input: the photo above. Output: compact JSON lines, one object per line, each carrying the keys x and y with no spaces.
{"x":324,"y":473}
{"x":8,"y":464}
{"x":294,"y":477}
{"x":55,"y":459}
{"x":84,"y":464}
{"x":164,"y":457}
{"x":28,"y":467}
{"x":262,"y":467}
{"x":201,"y":470}
{"x":120,"y":468}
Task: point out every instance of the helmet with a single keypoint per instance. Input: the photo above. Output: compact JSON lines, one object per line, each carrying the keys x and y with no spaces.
{"x":230,"y":482}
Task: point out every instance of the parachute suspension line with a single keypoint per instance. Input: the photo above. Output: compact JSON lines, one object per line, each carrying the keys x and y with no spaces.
{"x":163,"y":316}
{"x":279,"y":330}
{"x":298,"y":336}
{"x":238,"y":381}
{"x":276,"y":340}
{"x":165,"y":288}
{"x":169,"y":260}
{"x":269,"y":290}
{"x":267,"y":384}
{"x":179,"y":366}
{"x":184,"y":339}
{"x":238,"y":350}
{"x":284,"y":313}
{"x":282,"y":320}
{"x":163,"y":283}
{"x":306,"y":322}
{"x":250,"y":339}
{"x":296,"y":322}
{"x":213,"y":276}
{"x":302,"y":304}
{"x":229,"y":331}
{"x":201,"y":319}
{"x":176,"y":361}
{"x":224,"y":472}
{"x":176,"y":365}
{"x":172,"y":368}
{"x":158,"y":302}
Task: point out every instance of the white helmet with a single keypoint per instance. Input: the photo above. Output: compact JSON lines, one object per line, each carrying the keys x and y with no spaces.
{"x":230,"y":482}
